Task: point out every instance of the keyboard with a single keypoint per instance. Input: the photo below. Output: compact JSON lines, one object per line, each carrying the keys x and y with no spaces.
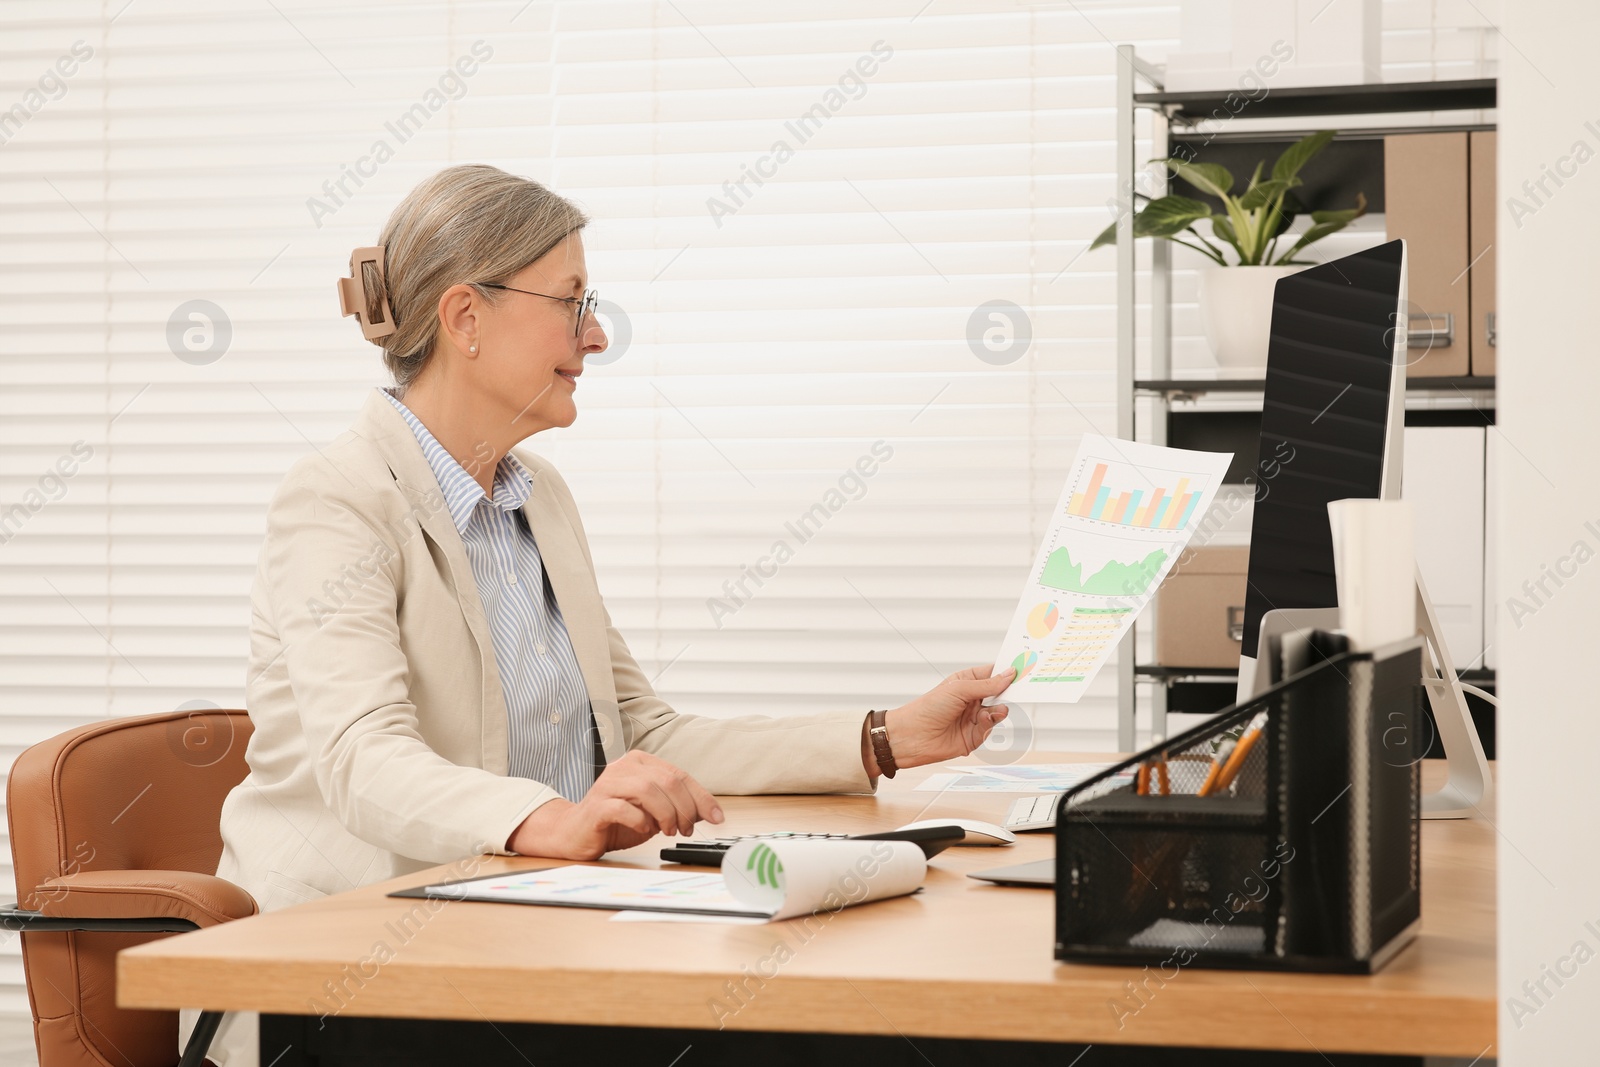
{"x":1039,"y":813}
{"x":1034,"y":813}
{"x":931,"y":839}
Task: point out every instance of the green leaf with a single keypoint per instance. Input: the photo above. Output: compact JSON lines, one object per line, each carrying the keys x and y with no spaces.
{"x":1211,"y":250}
{"x":1288,"y":211}
{"x":1291,"y":205}
{"x":1169,"y":215}
{"x":1325,"y":223}
{"x":1299,"y":154}
{"x":1162,"y":217}
{"x":1224,"y":231}
{"x":1108,"y":236}
{"x":1209,"y":253}
{"x":1210,"y":178}
{"x":1345,"y":217}
{"x":1311,"y":236}
{"x":1265,"y":193}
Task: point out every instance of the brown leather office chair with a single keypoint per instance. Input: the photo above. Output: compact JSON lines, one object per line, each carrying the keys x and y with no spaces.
{"x":114,"y":839}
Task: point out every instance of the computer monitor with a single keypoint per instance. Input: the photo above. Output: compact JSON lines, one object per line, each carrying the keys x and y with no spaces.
{"x":1332,"y":426}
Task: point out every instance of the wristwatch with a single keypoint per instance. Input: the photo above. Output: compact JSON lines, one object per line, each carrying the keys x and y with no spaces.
{"x":879,"y":730}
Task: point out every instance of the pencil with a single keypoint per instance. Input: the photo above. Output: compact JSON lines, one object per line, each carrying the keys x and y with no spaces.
{"x":1223,"y":752}
{"x":1236,"y":761}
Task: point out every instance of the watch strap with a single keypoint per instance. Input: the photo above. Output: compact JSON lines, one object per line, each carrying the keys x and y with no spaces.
{"x":878,"y":729}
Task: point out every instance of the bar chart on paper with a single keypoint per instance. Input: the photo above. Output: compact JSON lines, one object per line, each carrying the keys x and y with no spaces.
{"x":1124,"y":517}
{"x":1129,"y":495}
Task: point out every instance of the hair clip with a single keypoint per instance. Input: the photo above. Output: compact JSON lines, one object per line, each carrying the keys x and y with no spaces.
{"x":374,"y":316}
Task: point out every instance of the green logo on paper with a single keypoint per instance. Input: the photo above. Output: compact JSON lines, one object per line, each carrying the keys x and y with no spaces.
{"x":765,"y":863}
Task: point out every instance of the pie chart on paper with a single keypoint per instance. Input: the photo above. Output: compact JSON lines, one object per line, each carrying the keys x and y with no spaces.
{"x":1042,"y":619}
{"x":1023,"y":664}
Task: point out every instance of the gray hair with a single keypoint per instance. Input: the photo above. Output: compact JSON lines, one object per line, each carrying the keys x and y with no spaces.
{"x":466,"y":224}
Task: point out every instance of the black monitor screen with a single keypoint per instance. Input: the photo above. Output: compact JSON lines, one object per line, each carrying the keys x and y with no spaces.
{"x":1324,"y":417}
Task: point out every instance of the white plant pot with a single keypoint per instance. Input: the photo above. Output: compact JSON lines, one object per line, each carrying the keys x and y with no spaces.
{"x":1236,"y":312}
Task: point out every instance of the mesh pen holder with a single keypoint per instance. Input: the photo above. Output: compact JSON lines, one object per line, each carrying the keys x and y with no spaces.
{"x":1279,"y":835}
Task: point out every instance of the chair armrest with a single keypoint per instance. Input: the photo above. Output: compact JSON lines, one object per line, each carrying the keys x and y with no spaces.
{"x":202,"y":899}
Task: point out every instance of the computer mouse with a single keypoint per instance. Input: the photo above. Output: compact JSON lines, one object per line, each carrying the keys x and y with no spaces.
{"x":978,"y":832}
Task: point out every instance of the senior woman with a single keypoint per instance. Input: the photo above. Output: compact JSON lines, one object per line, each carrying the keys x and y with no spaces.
{"x":433,"y":674}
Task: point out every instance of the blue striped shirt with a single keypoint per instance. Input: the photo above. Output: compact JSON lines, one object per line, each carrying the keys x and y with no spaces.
{"x":549,"y":731}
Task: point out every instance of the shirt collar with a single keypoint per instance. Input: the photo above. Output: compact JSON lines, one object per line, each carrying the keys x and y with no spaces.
{"x":513,"y":483}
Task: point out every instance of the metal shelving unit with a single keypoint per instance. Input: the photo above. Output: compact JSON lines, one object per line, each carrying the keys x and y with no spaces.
{"x":1472,"y":387}
{"x":1180,"y":114}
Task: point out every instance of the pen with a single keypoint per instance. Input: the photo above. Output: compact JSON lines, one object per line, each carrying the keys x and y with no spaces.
{"x":1231,"y":756}
{"x":1223,"y":752}
{"x":1240,"y":752}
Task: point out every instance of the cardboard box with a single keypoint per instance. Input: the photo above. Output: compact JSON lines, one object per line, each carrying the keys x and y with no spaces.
{"x":1481,"y":234}
{"x":1200,"y":608}
{"x":1425,"y":185}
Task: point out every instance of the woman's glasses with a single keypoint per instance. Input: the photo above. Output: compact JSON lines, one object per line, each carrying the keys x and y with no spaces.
{"x":586,"y":303}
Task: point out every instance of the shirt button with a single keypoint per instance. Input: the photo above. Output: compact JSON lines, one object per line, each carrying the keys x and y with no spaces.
{"x":542,"y":648}
{"x":511,"y":577}
{"x":555,"y":717}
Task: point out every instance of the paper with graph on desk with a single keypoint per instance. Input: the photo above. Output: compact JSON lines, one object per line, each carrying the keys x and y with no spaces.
{"x":760,"y":879}
{"x":1124,"y":517}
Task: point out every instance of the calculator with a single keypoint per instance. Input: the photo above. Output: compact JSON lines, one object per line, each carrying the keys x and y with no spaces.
{"x":931,"y":839}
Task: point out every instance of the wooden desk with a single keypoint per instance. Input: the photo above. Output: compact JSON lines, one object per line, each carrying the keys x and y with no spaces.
{"x":962,"y":959}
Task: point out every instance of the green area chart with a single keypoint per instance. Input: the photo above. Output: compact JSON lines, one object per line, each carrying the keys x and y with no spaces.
{"x":1114,"y":579}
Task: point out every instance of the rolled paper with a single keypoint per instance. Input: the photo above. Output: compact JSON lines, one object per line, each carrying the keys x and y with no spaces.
{"x":804,"y":875}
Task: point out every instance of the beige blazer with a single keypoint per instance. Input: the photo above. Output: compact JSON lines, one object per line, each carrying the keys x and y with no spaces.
{"x":380,"y":727}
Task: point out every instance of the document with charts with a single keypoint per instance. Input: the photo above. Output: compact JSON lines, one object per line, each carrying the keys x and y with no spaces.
{"x":1123,"y":519}
{"x":760,"y":879}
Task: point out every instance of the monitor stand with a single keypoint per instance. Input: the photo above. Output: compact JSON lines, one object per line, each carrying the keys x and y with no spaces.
{"x":1468,"y":788}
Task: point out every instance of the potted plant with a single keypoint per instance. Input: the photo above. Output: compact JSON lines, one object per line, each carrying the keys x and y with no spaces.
{"x":1236,"y":299}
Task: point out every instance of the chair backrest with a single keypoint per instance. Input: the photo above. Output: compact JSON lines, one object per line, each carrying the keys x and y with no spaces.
{"x":128,"y":794}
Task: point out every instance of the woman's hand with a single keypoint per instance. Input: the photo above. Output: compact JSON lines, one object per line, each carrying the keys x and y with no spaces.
{"x":947,"y":721}
{"x":635,"y":798}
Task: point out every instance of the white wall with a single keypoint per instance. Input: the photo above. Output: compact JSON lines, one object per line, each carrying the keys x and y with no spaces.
{"x":1549,"y":491}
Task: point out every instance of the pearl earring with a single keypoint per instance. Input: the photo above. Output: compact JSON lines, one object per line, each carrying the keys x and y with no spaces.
{"x":472,"y":348}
